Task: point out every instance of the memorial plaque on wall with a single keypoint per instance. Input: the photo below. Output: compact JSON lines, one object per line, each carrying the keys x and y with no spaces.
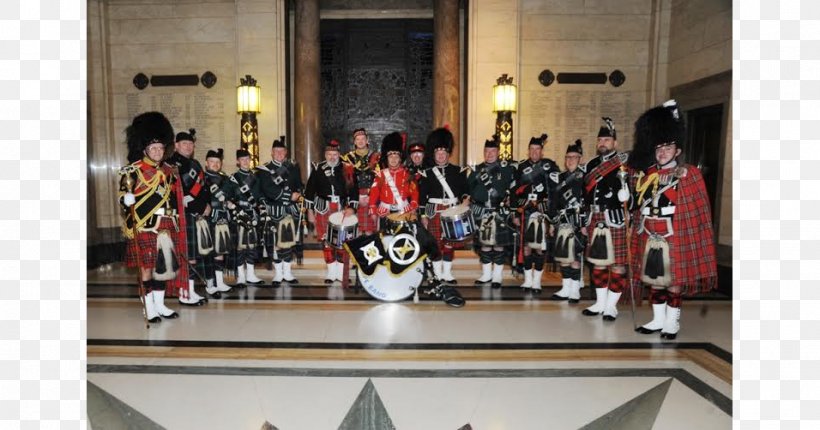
{"x":203,"y":111}
{"x":569,"y":115}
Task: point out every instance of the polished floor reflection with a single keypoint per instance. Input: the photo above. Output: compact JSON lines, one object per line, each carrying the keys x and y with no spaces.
{"x":309,"y":356}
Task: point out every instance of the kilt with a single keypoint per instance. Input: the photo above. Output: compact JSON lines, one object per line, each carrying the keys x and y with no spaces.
{"x":204,"y":263}
{"x":266,"y":236}
{"x":145,"y":245}
{"x":618,"y":238}
{"x":321,"y":220}
{"x":503,"y":232}
{"x":247,"y":255}
{"x":685,"y":272}
{"x":434,"y":227}
{"x":367,"y":222}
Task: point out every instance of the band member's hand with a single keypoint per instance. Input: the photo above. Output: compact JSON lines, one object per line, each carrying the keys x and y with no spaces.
{"x":466,"y":201}
{"x":350,"y":211}
{"x":382,"y":211}
{"x":516,"y":222}
{"x":584,"y":231}
{"x":230,"y":205}
{"x":129,"y":199}
{"x":207,"y":211}
{"x":295,"y":196}
{"x":425,"y":221}
{"x":311,"y":216}
{"x":552,"y":230}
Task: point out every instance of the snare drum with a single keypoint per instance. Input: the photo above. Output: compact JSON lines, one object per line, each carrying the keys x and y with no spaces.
{"x":341,"y":228}
{"x":457,"y":223}
{"x":395,"y":221}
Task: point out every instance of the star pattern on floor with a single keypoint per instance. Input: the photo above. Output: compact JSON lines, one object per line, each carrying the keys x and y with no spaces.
{"x":368,"y":412}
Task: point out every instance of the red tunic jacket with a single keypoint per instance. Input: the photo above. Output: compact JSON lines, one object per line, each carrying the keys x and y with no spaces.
{"x":381,"y":192}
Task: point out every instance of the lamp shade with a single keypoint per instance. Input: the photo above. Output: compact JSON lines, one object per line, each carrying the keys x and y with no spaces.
{"x":248,"y":96}
{"x":504,"y":94}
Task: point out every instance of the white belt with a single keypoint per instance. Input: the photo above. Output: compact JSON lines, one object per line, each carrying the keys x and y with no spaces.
{"x":332,"y":199}
{"x":390,"y":207}
{"x":666,"y":210}
{"x":443,"y":201}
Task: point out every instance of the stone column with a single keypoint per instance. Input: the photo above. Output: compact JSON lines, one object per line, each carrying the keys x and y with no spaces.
{"x":446,"y":74}
{"x":307,"y":142}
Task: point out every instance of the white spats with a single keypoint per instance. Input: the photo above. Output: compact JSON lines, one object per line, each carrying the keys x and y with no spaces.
{"x":220,"y":282}
{"x":611,"y":308}
{"x":536,"y":280}
{"x":600,"y":302}
{"x":527,"y":279}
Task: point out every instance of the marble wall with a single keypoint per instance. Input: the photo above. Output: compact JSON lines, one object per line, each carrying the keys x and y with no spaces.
{"x":226,"y":37}
{"x":700,"y":47}
{"x":526,"y":37}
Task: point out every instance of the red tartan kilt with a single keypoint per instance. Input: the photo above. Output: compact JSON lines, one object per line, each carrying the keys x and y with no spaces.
{"x":147,"y":252}
{"x":367,"y":223}
{"x":680,"y":277}
{"x":434,"y":227}
{"x":618,"y":239}
{"x":147,"y":249}
{"x":322,"y":222}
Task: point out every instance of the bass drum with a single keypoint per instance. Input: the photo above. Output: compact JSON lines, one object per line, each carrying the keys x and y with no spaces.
{"x":403,"y":251}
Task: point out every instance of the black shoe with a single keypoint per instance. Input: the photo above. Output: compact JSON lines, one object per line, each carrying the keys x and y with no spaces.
{"x":155,"y":320}
{"x":448,"y":294}
{"x":216,"y":295}
{"x":668,"y":336}
{"x":239,"y":286}
{"x":496,"y":285}
{"x":558,"y":298}
{"x":452,"y":297}
{"x":171,"y":316}
{"x":453,"y":282}
{"x":275,"y":284}
{"x":328,"y":281}
{"x":291,"y":281}
{"x":644,"y":330}
{"x":480,"y":282}
{"x":574,"y":301}
{"x":589,"y":313}
{"x":609,"y":318}
{"x":199,"y":303}
{"x":536,"y":291}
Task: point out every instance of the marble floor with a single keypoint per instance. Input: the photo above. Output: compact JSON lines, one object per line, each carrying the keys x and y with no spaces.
{"x":305,"y":357}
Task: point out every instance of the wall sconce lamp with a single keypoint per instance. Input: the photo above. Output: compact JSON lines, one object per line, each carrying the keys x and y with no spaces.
{"x":504,"y":100}
{"x":248,"y":104}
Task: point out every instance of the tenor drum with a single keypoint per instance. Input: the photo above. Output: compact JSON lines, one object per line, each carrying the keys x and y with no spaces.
{"x":398,"y":280}
{"x":457,"y":223}
{"x":341,"y":228}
